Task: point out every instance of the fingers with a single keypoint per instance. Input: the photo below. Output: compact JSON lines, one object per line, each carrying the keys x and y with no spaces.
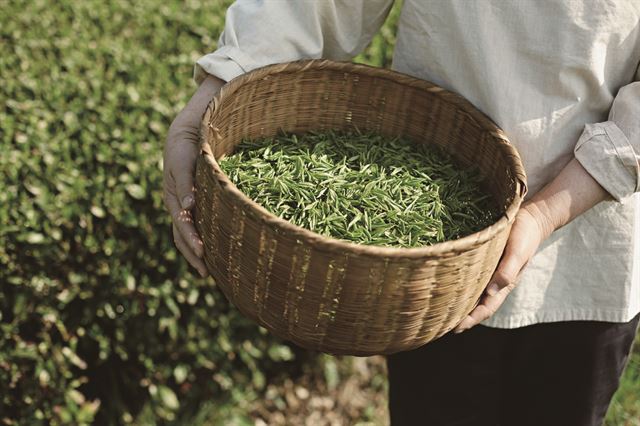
{"x":184,"y":188}
{"x":179,"y":161}
{"x":499,"y":287}
{"x":185,"y":235}
{"x":186,"y":251}
{"x":485,"y":309}
{"x":185,"y":157}
{"x":183,"y":222}
{"x":506,"y":274}
{"x":524,"y":239}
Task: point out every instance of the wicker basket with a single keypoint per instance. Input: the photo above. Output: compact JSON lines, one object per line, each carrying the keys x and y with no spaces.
{"x":323,"y":293}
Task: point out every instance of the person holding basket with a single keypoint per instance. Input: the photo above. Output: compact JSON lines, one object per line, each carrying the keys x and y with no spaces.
{"x":551,"y":335}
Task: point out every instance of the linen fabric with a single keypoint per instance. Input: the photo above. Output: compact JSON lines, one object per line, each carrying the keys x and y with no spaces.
{"x":561,"y":78}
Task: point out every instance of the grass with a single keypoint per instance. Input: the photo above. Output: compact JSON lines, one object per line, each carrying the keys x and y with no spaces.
{"x":625,"y":407}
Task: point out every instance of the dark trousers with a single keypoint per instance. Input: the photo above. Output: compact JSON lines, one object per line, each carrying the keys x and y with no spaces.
{"x":546,"y":374}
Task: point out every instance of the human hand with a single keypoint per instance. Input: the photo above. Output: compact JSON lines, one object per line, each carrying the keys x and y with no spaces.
{"x":180,"y":153}
{"x":529,"y":229}
{"x":570,"y":194}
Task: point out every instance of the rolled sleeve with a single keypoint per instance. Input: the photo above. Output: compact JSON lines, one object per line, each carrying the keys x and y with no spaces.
{"x":226,"y":63}
{"x":610,"y":151}
{"x":259,"y":33}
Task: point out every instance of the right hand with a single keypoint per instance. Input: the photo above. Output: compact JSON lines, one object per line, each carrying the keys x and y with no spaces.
{"x":180,"y":153}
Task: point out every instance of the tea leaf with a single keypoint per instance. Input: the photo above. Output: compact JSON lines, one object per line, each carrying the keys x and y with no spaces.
{"x":362,"y":187}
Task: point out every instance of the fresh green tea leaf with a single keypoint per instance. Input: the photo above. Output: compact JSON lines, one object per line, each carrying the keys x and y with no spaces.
{"x":334,"y":183}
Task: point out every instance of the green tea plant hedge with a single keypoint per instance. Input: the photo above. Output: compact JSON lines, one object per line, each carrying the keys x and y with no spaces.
{"x":99,"y":315}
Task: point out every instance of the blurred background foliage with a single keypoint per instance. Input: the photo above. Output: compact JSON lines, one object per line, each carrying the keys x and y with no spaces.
{"x":101,"y":320}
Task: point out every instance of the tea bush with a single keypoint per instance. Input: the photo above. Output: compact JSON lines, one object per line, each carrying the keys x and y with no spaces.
{"x":99,"y":314}
{"x":100,"y":317}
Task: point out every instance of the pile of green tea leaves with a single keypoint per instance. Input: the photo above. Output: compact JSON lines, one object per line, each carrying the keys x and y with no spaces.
{"x":362,"y":187}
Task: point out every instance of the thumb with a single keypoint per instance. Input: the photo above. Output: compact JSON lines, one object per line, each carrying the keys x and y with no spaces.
{"x":507,"y":271}
{"x":183,"y":172}
{"x":184,"y":189}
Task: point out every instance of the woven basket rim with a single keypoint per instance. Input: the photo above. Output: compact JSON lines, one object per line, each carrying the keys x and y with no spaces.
{"x":322,"y":242}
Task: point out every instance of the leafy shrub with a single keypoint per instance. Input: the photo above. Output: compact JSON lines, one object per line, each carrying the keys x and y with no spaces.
{"x":99,"y":314}
{"x":100,"y":317}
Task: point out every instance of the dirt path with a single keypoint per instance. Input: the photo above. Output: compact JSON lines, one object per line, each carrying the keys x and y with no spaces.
{"x":350,"y":391}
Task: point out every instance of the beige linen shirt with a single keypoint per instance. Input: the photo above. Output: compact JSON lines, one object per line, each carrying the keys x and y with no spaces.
{"x":560,"y":77}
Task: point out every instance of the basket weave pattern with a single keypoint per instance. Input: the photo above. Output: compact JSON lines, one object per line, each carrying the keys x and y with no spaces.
{"x":331,"y":295}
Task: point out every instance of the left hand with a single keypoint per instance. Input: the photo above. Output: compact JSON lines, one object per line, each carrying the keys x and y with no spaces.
{"x":528,"y":231}
{"x":568,"y":195}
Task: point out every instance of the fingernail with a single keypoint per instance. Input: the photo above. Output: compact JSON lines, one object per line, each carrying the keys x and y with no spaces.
{"x":187,"y":202}
{"x":458,"y":330}
{"x":493,"y":289}
{"x":198,"y":248}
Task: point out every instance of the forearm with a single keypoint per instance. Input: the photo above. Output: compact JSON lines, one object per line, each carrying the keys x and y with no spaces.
{"x":259,"y":33}
{"x":571,"y":193}
{"x":191,"y":115}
